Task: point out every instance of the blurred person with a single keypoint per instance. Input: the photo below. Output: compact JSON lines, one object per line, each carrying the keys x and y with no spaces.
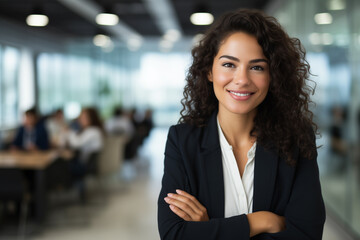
{"x":86,"y":143}
{"x":120,"y":123}
{"x":134,"y":142}
{"x":147,"y":123}
{"x":56,"y":124}
{"x":88,"y":140}
{"x":242,"y":162}
{"x":32,"y":135}
{"x":338,"y":144}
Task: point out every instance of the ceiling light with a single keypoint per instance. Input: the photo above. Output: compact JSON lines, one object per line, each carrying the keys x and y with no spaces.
{"x":337,"y":5}
{"x":102,"y":40}
{"x":134,"y":43}
{"x":323,"y":18}
{"x":201,"y":18}
{"x":197,"y":38}
{"x":315,"y":38}
{"x":172,"y":35}
{"x":327,"y":39}
{"x":37,"y":20}
{"x":108,"y":19}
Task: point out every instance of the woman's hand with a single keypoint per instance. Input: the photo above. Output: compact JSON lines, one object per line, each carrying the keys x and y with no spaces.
{"x":265,"y":222}
{"x":186,"y":206}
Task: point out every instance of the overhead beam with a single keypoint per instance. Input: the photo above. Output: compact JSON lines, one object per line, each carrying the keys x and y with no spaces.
{"x":89,"y":10}
{"x":164,"y":14}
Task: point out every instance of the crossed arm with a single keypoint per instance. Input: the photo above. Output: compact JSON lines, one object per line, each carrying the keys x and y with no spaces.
{"x":189,"y":208}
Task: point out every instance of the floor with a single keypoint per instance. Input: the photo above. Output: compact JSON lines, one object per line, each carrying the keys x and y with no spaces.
{"x":122,"y":206}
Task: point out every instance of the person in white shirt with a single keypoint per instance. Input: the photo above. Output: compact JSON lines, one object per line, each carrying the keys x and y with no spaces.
{"x":56,"y":126}
{"x":120,"y":123}
{"x":89,"y":140}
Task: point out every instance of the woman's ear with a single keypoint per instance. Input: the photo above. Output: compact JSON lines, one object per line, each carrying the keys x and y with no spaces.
{"x":210,"y":76}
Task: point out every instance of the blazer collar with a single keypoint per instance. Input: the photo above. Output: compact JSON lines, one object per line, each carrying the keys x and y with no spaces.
{"x":211,"y":135}
{"x":212,"y":164}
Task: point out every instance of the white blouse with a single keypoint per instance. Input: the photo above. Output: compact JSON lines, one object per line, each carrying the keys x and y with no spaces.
{"x":238,"y":191}
{"x":88,"y":141}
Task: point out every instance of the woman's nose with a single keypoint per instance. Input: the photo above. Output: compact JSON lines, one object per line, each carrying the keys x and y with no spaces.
{"x":241,"y":76}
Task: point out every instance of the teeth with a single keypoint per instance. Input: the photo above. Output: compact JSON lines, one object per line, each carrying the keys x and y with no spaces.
{"x":241,"y":94}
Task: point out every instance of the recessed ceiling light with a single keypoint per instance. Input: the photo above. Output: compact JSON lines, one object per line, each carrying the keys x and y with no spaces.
{"x":102,"y":40}
{"x":201,"y":18}
{"x":337,"y":5}
{"x":327,"y":39}
{"x":107,"y":19}
{"x":172,"y":35}
{"x":134,"y":43}
{"x":323,"y":18}
{"x":197,"y":38}
{"x":37,"y":20}
{"x":315,"y":38}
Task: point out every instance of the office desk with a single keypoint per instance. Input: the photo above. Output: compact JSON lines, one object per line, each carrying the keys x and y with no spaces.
{"x":37,"y":162}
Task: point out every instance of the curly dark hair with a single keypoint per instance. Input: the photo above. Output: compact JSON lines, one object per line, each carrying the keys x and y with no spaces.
{"x":283,"y":118}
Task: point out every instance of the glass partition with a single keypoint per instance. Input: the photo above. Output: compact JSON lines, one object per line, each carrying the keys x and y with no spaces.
{"x":329,"y":31}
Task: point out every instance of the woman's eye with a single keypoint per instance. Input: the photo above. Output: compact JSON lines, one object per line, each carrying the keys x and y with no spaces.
{"x":228,"y":65}
{"x":257,"y":68}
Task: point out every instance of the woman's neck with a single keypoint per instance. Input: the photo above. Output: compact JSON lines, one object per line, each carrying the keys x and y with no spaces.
{"x":237,"y":127}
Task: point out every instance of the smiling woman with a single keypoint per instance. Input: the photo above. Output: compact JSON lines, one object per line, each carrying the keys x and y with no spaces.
{"x":242,"y":162}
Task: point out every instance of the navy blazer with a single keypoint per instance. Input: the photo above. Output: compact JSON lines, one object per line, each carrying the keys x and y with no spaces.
{"x":41,"y":137}
{"x":193,"y":163}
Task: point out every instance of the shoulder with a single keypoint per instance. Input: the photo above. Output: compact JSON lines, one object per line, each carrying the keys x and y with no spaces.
{"x":184,"y":131}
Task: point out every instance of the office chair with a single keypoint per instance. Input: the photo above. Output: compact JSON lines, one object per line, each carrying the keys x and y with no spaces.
{"x":13,"y":188}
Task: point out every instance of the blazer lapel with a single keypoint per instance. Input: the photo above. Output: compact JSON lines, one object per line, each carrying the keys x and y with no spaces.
{"x":266,"y":162}
{"x":212,"y":164}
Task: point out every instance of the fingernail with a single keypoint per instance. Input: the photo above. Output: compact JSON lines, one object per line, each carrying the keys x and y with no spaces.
{"x":166,"y":199}
{"x":178,"y":191}
{"x":170,"y":194}
{"x":171,"y":206}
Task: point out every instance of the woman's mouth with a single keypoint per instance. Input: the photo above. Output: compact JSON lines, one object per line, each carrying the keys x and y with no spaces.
{"x":237,"y":95}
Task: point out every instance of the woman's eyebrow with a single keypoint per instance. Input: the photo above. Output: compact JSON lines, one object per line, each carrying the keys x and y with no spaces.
{"x":259,"y":60}
{"x":230,"y":57}
{"x":238,"y":60}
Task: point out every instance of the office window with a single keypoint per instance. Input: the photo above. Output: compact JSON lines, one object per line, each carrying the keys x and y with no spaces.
{"x":9,"y":86}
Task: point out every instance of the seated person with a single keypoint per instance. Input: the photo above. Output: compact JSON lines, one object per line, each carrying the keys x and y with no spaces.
{"x":56,"y":124}
{"x":120,"y":123}
{"x":32,"y":135}
{"x":89,"y":140}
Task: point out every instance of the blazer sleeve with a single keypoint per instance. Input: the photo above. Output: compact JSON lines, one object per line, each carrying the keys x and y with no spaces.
{"x":42,"y":140}
{"x":305,"y":211}
{"x":18,"y":140}
{"x":173,"y":227}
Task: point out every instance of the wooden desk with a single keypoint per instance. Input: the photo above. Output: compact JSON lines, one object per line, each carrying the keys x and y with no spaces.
{"x":37,"y":162}
{"x":24,"y":160}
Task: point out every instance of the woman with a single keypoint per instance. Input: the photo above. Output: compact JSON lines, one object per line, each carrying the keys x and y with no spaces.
{"x":242,"y":162}
{"x":88,"y":142}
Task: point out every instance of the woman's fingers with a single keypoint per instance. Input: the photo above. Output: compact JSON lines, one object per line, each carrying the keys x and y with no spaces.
{"x":186,"y":204}
{"x":181,"y":202}
{"x":192,"y":198}
{"x":180,"y":213}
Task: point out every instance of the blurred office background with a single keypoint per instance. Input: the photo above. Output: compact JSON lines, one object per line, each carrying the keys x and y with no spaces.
{"x":139,"y":63}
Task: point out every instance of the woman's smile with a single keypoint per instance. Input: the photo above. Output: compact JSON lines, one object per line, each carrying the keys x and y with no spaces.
{"x":240,"y":95}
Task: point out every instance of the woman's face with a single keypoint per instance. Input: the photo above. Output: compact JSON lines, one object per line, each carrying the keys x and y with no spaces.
{"x":84,"y":119}
{"x":240,"y":74}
